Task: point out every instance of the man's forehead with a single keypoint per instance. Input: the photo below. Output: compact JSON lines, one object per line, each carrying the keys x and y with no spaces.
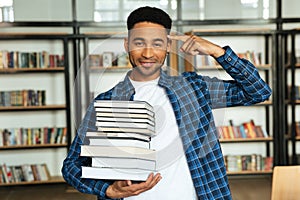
{"x":148,"y":31}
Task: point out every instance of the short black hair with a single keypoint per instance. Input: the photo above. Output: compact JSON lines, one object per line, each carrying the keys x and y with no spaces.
{"x":149,"y":14}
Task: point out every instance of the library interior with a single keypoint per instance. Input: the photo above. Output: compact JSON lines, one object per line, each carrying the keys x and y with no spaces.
{"x":60,"y":128}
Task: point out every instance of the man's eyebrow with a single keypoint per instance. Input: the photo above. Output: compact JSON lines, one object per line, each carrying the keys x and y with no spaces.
{"x":158,"y":40}
{"x":143,"y":39}
{"x":138,"y":38}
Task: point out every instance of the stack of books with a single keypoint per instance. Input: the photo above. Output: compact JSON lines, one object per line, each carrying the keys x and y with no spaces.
{"x":120,"y":148}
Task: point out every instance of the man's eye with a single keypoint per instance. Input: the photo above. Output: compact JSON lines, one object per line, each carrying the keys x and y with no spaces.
{"x":157,"y":45}
{"x":139,"y":44}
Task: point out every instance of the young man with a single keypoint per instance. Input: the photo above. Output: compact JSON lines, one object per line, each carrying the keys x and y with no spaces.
{"x":183,"y":105}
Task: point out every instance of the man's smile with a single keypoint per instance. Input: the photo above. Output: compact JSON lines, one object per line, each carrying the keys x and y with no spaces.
{"x":147,"y":63}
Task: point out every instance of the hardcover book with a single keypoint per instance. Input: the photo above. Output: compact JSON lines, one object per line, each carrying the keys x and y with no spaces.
{"x":117,"y":135}
{"x":125,"y":119}
{"x":125,"y":115}
{"x":123,"y":104}
{"x":124,"y":110}
{"x":121,"y":152}
{"x":124,"y":142}
{"x":115,"y":173}
{"x":147,"y":132}
{"x":125,"y":163}
{"x":132,"y":125}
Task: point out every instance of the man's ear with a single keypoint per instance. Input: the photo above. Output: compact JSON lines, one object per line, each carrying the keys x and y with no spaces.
{"x":126,"y":44}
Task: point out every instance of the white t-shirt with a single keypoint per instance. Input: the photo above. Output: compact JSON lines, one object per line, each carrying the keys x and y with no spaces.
{"x":176,"y":182}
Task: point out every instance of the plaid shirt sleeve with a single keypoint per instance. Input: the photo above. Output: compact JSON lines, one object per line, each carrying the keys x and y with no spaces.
{"x":71,"y":169}
{"x":247,"y":88}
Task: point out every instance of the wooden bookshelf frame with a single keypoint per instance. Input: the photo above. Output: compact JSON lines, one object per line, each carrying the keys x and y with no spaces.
{"x":52,"y":180}
{"x":35,"y":146}
{"x":238,"y":173}
{"x":64,"y":70}
{"x":245,"y":140}
{"x":31,"y":70}
{"x":291,"y":102}
{"x":32,"y":108}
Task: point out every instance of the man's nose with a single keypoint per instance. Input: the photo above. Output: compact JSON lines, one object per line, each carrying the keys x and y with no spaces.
{"x":147,"y":52}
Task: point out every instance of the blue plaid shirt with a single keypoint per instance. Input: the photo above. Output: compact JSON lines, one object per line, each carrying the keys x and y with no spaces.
{"x":192,"y":97}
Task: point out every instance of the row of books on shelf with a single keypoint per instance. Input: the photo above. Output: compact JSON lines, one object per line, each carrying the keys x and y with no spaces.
{"x":17,"y":59}
{"x":253,"y":162}
{"x":108,"y":59}
{"x":208,"y":61}
{"x":33,"y":136}
{"x":24,"y":173}
{"x":120,"y":149}
{"x":23,"y":98}
{"x":245,"y":130}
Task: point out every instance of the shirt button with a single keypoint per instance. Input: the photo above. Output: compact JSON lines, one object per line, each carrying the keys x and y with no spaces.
{"x":245,"y":73}
{"x":229,"y":59}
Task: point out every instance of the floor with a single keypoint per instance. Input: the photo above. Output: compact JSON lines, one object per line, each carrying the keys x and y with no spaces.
{"x":243,"y":188}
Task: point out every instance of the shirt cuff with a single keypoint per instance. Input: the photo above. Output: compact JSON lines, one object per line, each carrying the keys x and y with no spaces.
{"x":229,"y":58}
{"x":234,"y":65}
{"x":101,"y":189}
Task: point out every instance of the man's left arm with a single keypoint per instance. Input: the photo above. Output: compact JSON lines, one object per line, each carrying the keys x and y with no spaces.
{"x":246,"y":88}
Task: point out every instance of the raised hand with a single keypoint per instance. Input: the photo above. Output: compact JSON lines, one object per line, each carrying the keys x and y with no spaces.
{"x":194,"y":45}
{"x":122,"y":189}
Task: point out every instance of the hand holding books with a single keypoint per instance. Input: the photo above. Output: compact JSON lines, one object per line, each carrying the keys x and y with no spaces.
{"x":121,"y":189}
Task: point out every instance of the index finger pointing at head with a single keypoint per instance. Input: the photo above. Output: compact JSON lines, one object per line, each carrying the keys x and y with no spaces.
{"x":182,"y":38}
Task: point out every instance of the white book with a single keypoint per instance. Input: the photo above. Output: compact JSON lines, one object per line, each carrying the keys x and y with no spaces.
{"x":124,"y":110}
{"x":99,"y":134}
{"x":122,"y":119}
{"x":28,"y":173}
{"x":115,"y":173}
{"x":127,"y":142}
{"x":42,"y":172}
{"x":125,"y":115}
{"x":127,"y":130}
{"x":123,"y":104}
{"x":121,"y":152}
{"x":123,"y":163}
{"x":125,"y":125}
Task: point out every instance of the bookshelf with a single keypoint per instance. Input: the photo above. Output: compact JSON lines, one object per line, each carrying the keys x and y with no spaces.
{"x":26,"y":70}
{"x":292,"y":67}
{"x":259,"y":40}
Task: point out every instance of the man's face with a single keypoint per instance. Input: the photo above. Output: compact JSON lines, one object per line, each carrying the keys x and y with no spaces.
{"x":147,"y":47}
